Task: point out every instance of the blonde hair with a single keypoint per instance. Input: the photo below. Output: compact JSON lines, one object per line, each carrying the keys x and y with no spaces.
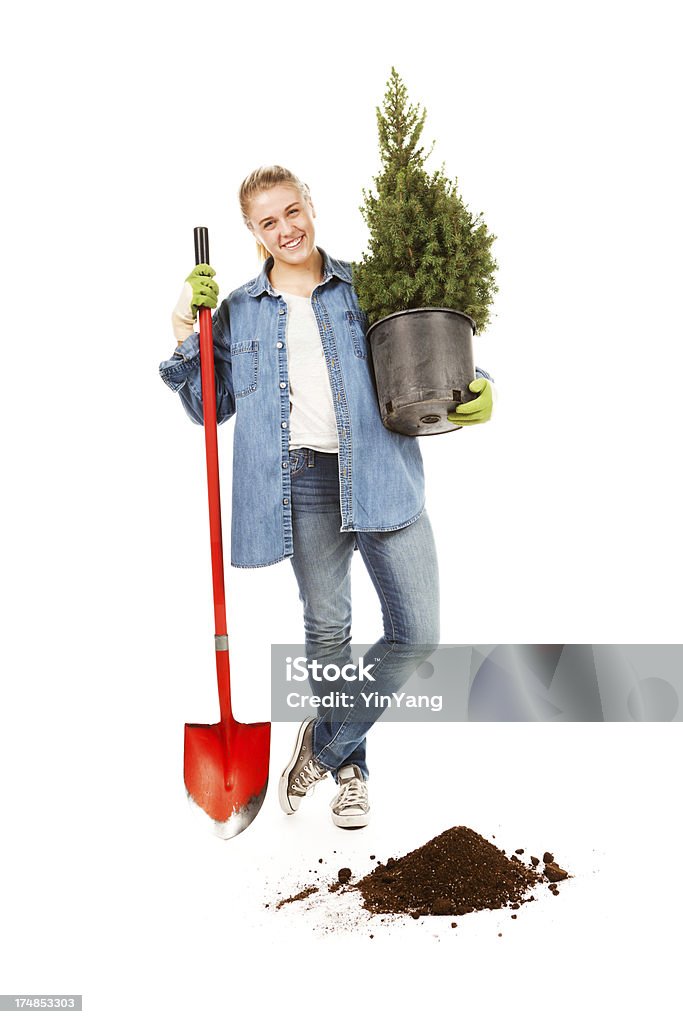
{"x":260,"y":180}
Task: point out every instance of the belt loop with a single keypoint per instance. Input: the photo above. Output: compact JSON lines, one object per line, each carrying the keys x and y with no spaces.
{"x":311,"y":457}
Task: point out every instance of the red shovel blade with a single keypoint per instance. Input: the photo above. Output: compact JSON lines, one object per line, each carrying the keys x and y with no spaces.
{"x":226,"y":772}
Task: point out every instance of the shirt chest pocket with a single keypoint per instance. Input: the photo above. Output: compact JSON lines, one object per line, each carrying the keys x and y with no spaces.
{"x":244,"y":367}
{"x":357,"y":325}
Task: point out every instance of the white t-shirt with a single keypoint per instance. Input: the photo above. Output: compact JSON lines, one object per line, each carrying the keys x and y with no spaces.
{"x":312,"y":423}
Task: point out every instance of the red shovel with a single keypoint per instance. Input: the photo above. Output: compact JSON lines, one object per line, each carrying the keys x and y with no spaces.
{"x":226,"y":765}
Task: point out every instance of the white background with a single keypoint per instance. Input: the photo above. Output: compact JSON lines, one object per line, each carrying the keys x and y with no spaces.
{"x":558,"y":521}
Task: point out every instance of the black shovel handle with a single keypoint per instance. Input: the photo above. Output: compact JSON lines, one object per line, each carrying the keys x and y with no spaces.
{"x":201,"y":245}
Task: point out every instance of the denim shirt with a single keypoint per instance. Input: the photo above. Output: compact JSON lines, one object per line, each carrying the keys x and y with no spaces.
{"x":381,"y":478}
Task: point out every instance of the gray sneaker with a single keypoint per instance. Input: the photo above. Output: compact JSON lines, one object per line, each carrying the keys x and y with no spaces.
{"x":350,"y":807}
{"x":303,"y":771}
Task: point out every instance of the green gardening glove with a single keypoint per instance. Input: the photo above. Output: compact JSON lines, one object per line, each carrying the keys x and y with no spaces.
{"x":479,"y":409}
{"x":204,"y":288}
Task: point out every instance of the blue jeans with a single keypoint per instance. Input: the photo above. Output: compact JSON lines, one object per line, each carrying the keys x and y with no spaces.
{"x":403,"y":568}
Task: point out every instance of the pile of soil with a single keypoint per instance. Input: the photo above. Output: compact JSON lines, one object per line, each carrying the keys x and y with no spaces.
{"x":455,"y":873}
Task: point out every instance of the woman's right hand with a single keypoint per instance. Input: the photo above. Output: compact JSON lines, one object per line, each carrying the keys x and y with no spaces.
{"x":199,"y":290}
{"x":204,"y":288}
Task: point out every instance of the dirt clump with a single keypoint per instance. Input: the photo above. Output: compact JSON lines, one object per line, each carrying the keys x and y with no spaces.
{"x":554,"y":873}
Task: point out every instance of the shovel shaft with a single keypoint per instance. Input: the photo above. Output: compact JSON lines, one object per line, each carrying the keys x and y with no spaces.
{"x":213,"y":480}
{"x":211,"y":439}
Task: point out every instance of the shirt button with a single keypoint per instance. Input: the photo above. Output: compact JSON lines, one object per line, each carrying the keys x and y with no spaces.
{"x":285,"y":501}
{"x":283,"y":424}
{"x":285,"y":465}
{"x":278,"y":344}
{"x":282,"y":312}
{"x":283,"y":384}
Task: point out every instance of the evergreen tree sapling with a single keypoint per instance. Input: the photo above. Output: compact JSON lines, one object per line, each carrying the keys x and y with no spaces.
{"x":426,"y":248}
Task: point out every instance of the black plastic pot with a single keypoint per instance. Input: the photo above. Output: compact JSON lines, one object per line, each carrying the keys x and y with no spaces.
{"x":423,"y":364}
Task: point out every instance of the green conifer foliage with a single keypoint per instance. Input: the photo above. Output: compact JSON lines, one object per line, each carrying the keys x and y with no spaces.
{"x":426,"y":248}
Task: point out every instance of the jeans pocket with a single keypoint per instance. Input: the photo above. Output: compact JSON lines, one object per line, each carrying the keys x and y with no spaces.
{"x":244,"y":367}
{"x":297,"y":462}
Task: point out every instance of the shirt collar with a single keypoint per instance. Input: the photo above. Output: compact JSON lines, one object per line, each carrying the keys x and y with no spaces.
{"x":331,"y":268}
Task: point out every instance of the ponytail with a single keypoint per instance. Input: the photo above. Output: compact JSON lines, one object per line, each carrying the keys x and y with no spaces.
{"x":263,"y":253}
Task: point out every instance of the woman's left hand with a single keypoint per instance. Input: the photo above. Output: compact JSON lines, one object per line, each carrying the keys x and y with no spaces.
{"x":479,"y":409}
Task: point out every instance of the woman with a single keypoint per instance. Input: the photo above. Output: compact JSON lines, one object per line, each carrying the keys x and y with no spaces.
{"x":316,"y":475}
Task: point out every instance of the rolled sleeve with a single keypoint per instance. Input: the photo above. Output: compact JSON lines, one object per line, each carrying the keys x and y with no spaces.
{"x":482,"y":373}
{"x":182,"y":372}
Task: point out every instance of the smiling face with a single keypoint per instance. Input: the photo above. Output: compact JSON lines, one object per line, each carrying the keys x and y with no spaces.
{"x":282,"y":221}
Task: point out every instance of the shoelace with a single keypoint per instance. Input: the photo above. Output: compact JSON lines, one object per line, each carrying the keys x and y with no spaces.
{"x":308,"y":776}
{"x":352,"y":793}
